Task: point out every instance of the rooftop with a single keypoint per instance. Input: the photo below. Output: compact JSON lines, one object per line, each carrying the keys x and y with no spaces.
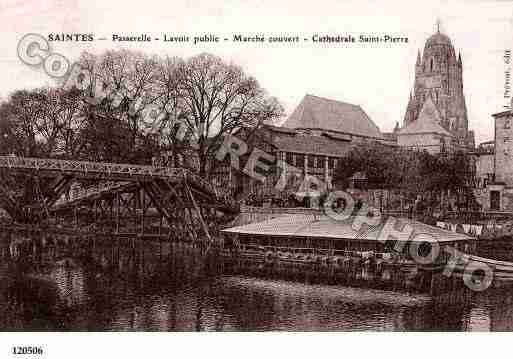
{"x":438,"y":39}
{"x":294,"y":141}
{"x":320,"y":226}
{"x":428,"y":121}
{"x":504,"y":113}
{"x":320,"y":113}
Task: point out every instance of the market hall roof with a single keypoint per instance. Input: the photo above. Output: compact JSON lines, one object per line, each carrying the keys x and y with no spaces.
{"x":322,"y":226}
{"x":315,"y":112}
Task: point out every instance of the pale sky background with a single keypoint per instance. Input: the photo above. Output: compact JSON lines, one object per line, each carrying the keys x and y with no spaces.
{"x":378,"y":77}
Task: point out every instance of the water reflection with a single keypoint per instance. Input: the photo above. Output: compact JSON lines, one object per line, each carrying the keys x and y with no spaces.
{"x":110,"y":284}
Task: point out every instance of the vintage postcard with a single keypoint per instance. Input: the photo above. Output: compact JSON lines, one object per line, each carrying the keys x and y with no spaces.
{"x":254,"y":166}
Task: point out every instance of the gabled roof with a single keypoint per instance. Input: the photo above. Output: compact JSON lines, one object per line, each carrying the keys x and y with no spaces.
{"x":428,"y":121}
{"x":321,"y":113}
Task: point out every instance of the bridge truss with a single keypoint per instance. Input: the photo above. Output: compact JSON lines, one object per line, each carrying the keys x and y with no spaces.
{"x":121,"y":199}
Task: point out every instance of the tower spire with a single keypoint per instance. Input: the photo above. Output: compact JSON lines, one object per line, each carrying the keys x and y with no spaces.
{"x":445,"y":94}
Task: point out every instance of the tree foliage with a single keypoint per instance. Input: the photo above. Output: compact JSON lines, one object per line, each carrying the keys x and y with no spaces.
{"x":380,"y":164}
{"x":123,"y":106}
{"x":416,"y":174}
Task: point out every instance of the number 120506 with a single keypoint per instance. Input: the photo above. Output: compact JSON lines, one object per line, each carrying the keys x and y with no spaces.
{"x":27,"y":350}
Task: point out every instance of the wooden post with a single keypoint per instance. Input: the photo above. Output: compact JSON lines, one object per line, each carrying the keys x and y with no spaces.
{"x":117,"y":212}
{"x":94,"y":210}
{"x":198,"y":212}
{"x":326,"y":173}
{"x":135,"y":197}
{"x":142,"y":203}
{"x":111,"y":212}
{"x":190,"y":224}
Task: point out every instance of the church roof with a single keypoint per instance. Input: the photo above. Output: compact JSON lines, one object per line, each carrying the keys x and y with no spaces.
{"x":320,"y":113}
{"x":428,"y":121}
{"x":438,"y":39}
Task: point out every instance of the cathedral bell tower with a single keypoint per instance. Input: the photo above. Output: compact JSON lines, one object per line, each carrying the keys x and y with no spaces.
{"x":438,"y":75}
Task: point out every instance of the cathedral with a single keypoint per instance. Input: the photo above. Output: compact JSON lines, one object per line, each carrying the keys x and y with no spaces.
{"x":436,"y":116}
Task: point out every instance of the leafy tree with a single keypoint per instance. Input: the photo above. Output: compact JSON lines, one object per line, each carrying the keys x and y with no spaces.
{"x":415,"y":174}
{"x":379,"y":162}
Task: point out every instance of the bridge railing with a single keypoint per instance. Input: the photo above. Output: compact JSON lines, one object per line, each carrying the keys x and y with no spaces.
{"x":89,"y":167}
{"x":128,"y":170}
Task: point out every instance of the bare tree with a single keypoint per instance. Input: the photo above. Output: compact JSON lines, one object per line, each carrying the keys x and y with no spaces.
{"x":126,"y":103}
{"x":213,"y":99}
{"x":119,"y":91}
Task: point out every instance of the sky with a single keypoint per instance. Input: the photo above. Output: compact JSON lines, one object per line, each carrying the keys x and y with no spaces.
{"x":378,"y":77}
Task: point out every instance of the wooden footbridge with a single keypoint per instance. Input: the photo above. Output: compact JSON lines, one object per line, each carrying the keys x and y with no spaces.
{"x":110,"y":197}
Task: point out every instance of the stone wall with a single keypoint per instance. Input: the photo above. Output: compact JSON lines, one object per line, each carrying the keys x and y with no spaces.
{"x":504,"y":149}
{"x":507,"y":200}
{"x":506,"y":197}
{"x":484,"y":169}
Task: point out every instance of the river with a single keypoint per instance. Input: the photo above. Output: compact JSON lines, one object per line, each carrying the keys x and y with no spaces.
{"x":134,"y":285}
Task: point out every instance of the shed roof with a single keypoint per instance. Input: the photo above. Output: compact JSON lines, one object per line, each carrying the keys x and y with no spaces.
{"x":311,"y":226}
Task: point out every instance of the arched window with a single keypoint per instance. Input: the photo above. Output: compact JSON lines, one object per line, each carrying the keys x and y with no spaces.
{"x":431,"y":64}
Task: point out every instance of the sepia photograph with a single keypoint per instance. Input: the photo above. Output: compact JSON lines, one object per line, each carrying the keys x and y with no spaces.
{"x":264,"y":166}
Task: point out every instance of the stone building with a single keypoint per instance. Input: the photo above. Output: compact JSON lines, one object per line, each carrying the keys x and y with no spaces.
{"x":484,"y":163}
{"x":318,"y":133}
{"x":500,"y":191}
{"x":494,"y":166}
{"x":436,"y":115}
{"x":504,"y":147}
{"x":484,"y":158}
